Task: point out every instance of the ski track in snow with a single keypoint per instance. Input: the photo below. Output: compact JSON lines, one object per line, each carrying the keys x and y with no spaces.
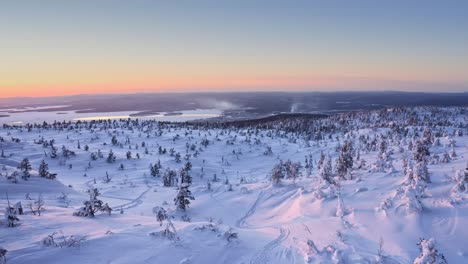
{"x":446,"y":226}
{"x":134,"y":203}
{"x":241,"y":223}
{"x":270,"y":254}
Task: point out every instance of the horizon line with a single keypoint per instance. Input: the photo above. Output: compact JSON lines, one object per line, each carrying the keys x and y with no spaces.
{"x":226,"y":92}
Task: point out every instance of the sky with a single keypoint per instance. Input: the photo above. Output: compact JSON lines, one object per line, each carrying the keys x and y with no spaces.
{"x":57,"y":47}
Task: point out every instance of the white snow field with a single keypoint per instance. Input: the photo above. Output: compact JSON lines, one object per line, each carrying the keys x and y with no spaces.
{"x":361,"y":195}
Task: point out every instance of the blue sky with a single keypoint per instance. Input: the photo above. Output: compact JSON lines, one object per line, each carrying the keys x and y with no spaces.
{"x":66,"y":47}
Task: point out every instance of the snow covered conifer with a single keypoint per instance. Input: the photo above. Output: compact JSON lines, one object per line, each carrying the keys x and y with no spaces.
{"x":420,"y":152}
{"x":292,"y":169}
{"x":345,"y":160}
{"x":161,"y":214}
{"x":188,"y":166}
{"x":111,"y":157}
{"x":325,"y":173}
{"x":43,"y":169}
{"x":277,"y":173}
{"x":154,"y":169}
{"x":169,"y":178}
{"x":25,"y":167}
{"x":421,"y":172}
{"x":182,"y":200}
{"x":10,"y":215}
{"x":185,"y":177}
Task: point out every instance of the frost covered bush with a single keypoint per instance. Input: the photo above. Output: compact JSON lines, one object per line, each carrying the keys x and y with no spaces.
{"x":62,"y":241}
{"x":3,"y":253}
{"x":230,"y":235}
{"x":410,"y":201}
{"x":169,"y":232}
{"x":429,"y":254}
{"x":461,"y":183}
{"x":11,"y":218}
{"x":93,"y":205}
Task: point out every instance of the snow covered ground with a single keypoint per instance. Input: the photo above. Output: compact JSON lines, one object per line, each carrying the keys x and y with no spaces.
{"x":375,"y":213}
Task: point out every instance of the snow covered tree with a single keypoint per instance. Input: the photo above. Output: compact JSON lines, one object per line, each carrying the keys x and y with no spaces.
{"x":345,"y":160}
{"x":43,"y":169}
{"x":177,"y":157}
{"x":321,"y":161}
{"x":154,"y":170}
{"x":26,"y":168}
{"x":3,"y":253}
{"x":421,"y":172}
{"x":410,"y":201}
{"x":188,"y":166}
{"x":292,"y":169}
{"x":53,"y":152}
{"x":185,"y":177}
{"x":111,"y":157}
{"x":277,"y":173}
{"x":114,"y":141}
{"x":169,"y":177}
{"x":161,"y":214}
{"x":268,"y":151}
{"x":182,"y":200}
{"x":420,"y":151}
{"x":325,"y":172}
{"x":93,"y":205}
{"x":461,"y":182}
{"x":10,"y":215}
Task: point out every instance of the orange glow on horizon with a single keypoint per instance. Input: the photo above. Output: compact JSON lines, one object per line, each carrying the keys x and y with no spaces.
{"x":202,"y":84}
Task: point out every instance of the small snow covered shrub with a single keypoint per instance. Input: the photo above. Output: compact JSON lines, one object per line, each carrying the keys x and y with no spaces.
{"x":461,"y":183}
{"x":63,"y":241}
{"x":37,"y":206}
{"x":93,"y":205}
{"x":161,"y":214}
{"x":230,"y":235}
{"x":10,"y":216}
{"x":169,"y":232}
{"x":208,"y":227}
{"x":3,"y":253}
{"x":429,"y":254}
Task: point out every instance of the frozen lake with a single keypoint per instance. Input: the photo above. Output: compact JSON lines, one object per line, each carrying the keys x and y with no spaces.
{"x":39,"y":117}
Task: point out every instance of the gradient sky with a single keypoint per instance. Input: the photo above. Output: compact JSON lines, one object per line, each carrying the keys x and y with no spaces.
{"x":97,"y":46}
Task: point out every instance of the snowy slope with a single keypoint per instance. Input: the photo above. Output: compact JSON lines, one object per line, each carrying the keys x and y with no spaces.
{"x":301,"y":221}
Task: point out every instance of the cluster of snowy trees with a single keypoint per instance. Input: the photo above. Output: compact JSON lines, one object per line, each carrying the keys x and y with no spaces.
{"x":417,"y":134}
{"x":286,"y":170}
{"x":24,"y":171}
